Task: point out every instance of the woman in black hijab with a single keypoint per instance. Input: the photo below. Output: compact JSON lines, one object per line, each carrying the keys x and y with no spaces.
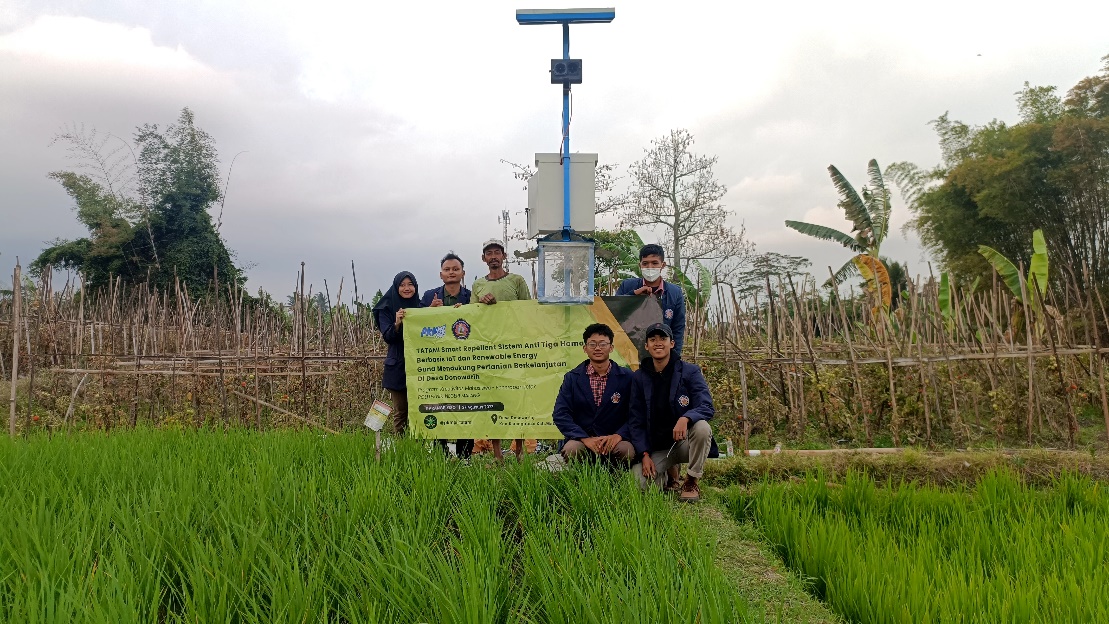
{"x":389,"y":316}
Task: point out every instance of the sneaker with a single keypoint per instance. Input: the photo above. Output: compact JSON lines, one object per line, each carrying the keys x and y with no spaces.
{"x":691,"y":492}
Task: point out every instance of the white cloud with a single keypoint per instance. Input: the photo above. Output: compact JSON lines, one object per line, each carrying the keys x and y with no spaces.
{"x":82,"y":42}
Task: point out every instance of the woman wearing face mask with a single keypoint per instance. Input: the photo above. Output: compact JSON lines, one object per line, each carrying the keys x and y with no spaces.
{"x":389,"y":314}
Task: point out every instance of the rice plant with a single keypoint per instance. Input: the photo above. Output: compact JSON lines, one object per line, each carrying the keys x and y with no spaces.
{"x":1000,"y":552}
{"x":206,"y":526}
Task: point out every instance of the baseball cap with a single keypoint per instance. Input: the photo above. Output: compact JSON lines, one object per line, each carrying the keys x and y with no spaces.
{"x":491,"y":242}
{"x":659,"y":328}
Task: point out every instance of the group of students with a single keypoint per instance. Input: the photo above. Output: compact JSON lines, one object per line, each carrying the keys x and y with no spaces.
{"x":654,"y":419}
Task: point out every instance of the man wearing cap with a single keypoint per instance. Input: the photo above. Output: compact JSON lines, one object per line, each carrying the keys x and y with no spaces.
{"x":499,"y":285}
{"x":669,"y":414}
{"x":652,"y":261}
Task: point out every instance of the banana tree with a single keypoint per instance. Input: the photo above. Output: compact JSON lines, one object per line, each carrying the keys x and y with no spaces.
{"x":868,"y":212}
{"x":1027,"y":289}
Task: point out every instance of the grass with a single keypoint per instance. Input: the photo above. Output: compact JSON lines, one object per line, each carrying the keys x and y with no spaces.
{"x":998,"y":552}
{"x":772,"y":591}
{"x":206,"y":526}
{"x":951,"y":469}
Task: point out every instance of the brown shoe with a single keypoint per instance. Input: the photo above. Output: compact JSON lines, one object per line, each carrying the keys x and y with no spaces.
{"x":673,"y":486}
{"x":691,"y":492}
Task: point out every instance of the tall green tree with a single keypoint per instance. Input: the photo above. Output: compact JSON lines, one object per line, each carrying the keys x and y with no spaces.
{"x":999,"y":182}
{"x":868,"y":212}
{"x":146,"y":207}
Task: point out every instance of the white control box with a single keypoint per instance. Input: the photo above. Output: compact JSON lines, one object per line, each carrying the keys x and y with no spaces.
{"x":545,"y":208}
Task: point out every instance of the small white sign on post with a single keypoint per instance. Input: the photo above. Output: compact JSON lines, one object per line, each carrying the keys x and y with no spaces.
{"x":375,"y":420}
{"x":379,"y":412}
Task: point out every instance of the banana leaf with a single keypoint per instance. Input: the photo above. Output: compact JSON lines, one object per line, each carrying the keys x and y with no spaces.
{"x":853,"y":205}
{"x":847,"y":270}
{"x":1008,"y":272}
{"x":826,"y":233}
{"x":1037,"y":268}
{"x":876,"y":276}
{"x":697,"y":294}
{"x":945,"y":296}
{"x":878,"y":202}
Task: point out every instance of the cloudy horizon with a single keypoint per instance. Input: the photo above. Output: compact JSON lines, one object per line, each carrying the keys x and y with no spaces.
{"x":374,"y":133}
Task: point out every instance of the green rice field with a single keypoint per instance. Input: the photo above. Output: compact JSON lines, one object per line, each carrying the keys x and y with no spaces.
{"x":291,"y":526}
{"x":206,"y":526}
{"x":997,"y":552}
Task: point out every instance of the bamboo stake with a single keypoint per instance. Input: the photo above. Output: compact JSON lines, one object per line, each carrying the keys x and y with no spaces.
{"x":812,"y":356}
{"x":286,"y":412}
{"x":17,"y":297}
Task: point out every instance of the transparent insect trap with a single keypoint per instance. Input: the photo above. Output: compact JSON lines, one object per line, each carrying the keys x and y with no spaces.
{"x":566,"y":271}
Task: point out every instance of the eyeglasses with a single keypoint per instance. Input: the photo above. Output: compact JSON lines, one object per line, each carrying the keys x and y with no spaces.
{"x":598,"y":345}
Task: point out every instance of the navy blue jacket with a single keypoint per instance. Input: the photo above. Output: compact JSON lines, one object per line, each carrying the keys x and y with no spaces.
{"x":689,"y":397}
{"x":393,"y":376}
{"x":463,"y":296}
{"x":673,"y":306}
{"x":575,"y":414}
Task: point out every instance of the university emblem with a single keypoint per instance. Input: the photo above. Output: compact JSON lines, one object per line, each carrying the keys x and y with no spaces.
{"x":461,"y":329}
{"x":669,"y":313}
{"x":683,"y":400}
{"x":615,"y":397}
{"x":430,"y":421}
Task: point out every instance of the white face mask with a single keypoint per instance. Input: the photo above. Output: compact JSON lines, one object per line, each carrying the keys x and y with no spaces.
{"x":651,"y":274}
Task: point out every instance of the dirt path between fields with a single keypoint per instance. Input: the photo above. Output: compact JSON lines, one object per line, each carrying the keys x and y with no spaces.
{"x":753,"y":567}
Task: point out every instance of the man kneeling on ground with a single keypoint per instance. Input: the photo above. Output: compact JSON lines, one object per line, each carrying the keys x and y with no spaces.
{"x":669,"y":411}
{"x":591,"y":410}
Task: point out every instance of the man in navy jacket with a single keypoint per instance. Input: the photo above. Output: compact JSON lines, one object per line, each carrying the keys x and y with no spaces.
{"x":452,"y":293}
{"x":652,"y":261}
{"x":591,"y":410}
{"x":669,"y":414}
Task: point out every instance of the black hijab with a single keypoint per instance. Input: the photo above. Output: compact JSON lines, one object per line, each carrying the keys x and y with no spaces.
{"x":392,"y":300}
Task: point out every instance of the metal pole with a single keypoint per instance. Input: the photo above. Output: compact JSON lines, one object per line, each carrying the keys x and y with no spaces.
{"x":566,"y":138}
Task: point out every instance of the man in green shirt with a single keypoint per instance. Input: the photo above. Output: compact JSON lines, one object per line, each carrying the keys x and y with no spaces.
{"x":499,"y":285}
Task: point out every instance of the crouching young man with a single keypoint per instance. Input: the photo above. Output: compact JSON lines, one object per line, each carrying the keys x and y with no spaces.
{"x":591,"y":410}
{"x":670,"y":411}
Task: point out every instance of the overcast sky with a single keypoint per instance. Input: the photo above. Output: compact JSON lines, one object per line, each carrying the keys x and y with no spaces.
{"x":372,"y":131}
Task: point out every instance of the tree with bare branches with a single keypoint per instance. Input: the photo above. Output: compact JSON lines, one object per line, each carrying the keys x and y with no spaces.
{"x":675,"y":190}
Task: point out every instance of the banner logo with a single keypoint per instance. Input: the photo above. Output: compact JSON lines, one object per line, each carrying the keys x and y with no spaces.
{"x":430,"y":421}
{"x":461,"y":329}
{"x":434,"y":332}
